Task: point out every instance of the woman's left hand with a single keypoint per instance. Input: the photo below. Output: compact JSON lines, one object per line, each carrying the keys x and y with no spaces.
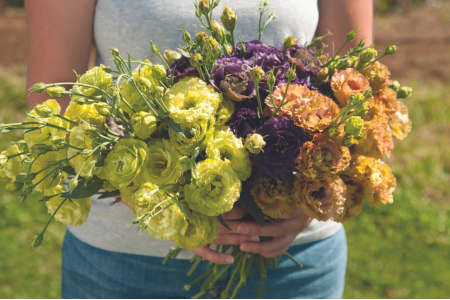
{"x":283,"y":233}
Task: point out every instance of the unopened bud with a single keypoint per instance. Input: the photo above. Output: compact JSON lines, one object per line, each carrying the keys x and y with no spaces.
{"x":395,"y":85}
{"x":257,"y":74}
{"x":201,"y":38}
{"x":354,"y":125}
{"x":196,"y":60}
{"x":14,"y":186}
{"x":22,"y":198}
{"x":352,"y":62}
{"x":155,"y":49}
{"x":362,"y":109}
{"x":103,"y":109}
{"x":367,"y":55}
{"x":323,"y":72}
{"x":31,"y":177}
{"x":80,"y":101}
{"x":229,"y":19}
{"x":107,"y":70}
{"x":254,"y":143}
{"x":356,"y":99}
{"x":290,"y":41}
{"x":115,"y":52}
{"x":28,"y":190}
{"x":352,"y":34}
{"x":332,"y":132}
{"x":404,"y":92}
{"x":291,"y":75}
{"x":348,"y":141}
{"x":37,"y":241}
{"x":218,"y":31}
{"x":171,"y":56}
{"x":390,"y":50}
{"x":44,"y":111}
{"x":271,"y":80}
{"x":186,"y":37}
{"x":38,"y":87}
{"x":203,"y":6}
{"x":73,"y":183}
{"x":212,"y":46}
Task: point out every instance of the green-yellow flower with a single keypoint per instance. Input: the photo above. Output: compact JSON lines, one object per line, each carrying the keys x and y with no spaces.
{"x":202,"y":128}
{"x":12,"y":167}
{"x":86,"y":112}
{"x":225,"y":146}
{"x":144,"y":124}
{"x":224,"y":111}
{"x":97,"y":76}
{"x":161,"y":223}
{"x":43,"y":162}
{"x":127,"y":192}
{"x":191,"y":99}
{"x":72,"y":212}
{"x":218,"y":188}
{"x":125,"y":161}
{"x":164,"y":164}
{"x":80,"y":139}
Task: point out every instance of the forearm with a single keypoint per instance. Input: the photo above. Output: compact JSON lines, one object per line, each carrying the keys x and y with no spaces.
{"x":59,"y":41}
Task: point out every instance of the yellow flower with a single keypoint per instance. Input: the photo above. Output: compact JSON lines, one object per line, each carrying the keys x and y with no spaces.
{"x":144,"y":124}
{"x":224,"y":111}
{"x":72,"y":212}
{"x":273,"y":195}
{"x":80,"y":139}
{"x":11,"y":167}
{"x":41,"y":163}
{"x":204,"y":129}
{"x":127,"y":192}
{"x":384,"y":102}
{"x":191,"y":99}
{"x":97,"y":76}
{"x":400,"y":123}
{"x":86,"y":112}
{"x":347,"y":82}
{"x":377,"y":140}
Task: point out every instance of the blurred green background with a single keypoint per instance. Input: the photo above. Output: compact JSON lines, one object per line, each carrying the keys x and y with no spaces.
{"x":395,"y":251}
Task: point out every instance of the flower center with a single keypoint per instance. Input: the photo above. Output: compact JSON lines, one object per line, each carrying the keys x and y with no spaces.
{"x":189,"y":103}
{"x":214,"y":188}
{"x":319,"y":194}
{"x":160,"y":166}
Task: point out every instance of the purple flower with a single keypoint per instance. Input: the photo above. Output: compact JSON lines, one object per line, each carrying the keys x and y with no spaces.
{"x":254,"y":47}
{"x":283,"y":141}
{"x":182,"y":68}
{"x":305,"y":59}
{"x":244,"y":121}
{"x":233,"y":80}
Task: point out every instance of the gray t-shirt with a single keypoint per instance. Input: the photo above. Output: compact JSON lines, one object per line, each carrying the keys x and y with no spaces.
{"x":129,"y":25}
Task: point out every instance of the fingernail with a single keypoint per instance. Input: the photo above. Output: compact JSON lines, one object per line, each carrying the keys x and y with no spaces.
{"x":229,"y":260}
{"x":243,"y":229}
{"x":254,"y":238}
{"x":245,"y":248}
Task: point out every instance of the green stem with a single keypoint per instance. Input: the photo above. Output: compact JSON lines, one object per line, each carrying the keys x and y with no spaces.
{"x":80,"y":84}
{"x":334,"y":56}
{"x":282,"y":103}
{"x":194,"y":267}
{"x":65,"y":119}
{"x":260,"y":111}
{"x":371,"y":62}
{"x":233,"y":43}
{"x":292,"y":259}
{"x":17,"y":154}
{"x":187,"y":287}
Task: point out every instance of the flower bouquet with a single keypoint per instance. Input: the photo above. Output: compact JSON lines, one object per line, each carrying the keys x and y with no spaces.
{"x":219,"y":123}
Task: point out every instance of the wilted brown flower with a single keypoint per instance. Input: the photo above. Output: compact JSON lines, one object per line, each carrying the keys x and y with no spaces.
{"x":322,"y":156}
{"x":383,"y":102}
{"x":353,"y":203}
{"x":377,"y":140}
{"x":274,"y":195}
{"x":400,"y":123}
{"x":347,"y":82}
{"x":310,"y":110}
{"x":321,"y":198}
{"x":378,"y":76}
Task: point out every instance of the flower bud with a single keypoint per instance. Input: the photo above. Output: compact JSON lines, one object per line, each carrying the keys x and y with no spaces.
{"x":155,"y":49}
{"x":390,"y":50}
{"x":28,"y":190}
{"x":352,"y":34}
{"x":57,"y":142}
{"x":73,"y":183}
{"x":31,"y":177}
{"x":14,"y":186}
{"x":348,"y":141}
{"x":201,"y":38}
{"x":144,"y":124}
{"x":212,"y":46}
{"x":107,"y":69}
{"x":367,"y":55}
{"x":171,"y":56}
{"x":218,"y":31}
{"x":271,"y":80}
{"x":40,"y":149}
{"x":38,"y":87}
{"x":323,"y":58}
{"x":404,"y":92}
{"x":115,"y":52}
{"x":203,"y":6}
{"x":22,"y":198}
{"x":352,"y":62}
{"x":196,"y":60}
{"x":198,"y":13}
{"x":103,"y":109}
{"x":354,"y":126}
{"x":323,"y":72}
{"x":290,"y":41}
{"x":44,"y":111}
{"x":291,"y":75}
{"x":356,"y":99}
{"x":228,"y":19}
{"x":332,"y":132}
{"x":367,"y":94}
{"x":362,"y":109}
{"x":37,"y":241}
{"x":159,"y":71}
{"x":186,"y":37}
{"x":257,"y":74}
{"x":158,"y":91}
{"x":395,"y":85}
{"x":254,"y":143}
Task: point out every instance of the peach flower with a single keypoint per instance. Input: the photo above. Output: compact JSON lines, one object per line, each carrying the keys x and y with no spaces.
{"x":400,"y":123}
{"x":377,"y":140}
{"x":383,"y":102}
{"x":347,"y":82}
{"x":353,"y":203}
{"x":378,"y":76}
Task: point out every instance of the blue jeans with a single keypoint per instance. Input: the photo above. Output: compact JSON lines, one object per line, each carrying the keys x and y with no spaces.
{"x":89,"y":272}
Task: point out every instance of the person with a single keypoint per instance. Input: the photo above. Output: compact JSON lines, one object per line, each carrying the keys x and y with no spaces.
{"x":104,"y":259}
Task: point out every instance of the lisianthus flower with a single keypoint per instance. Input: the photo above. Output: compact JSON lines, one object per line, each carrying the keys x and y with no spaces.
{"x":144,"y":124}
{"x":181,"y":68}
{"x":86,"y":112}
{"x":191,"y":99}
{"x":225,"y":146}
{"x":224,"y":111}
{"x":347,"y":82}
{"x":12,"y":167}
{"x":322,"y":156}
{"x":283,"y":141}
{"x":44,"y":135}
{"x":353,"y":201}
{"x":167,"y":222}
{"x":218,"y":188}
{"x":41,"y":163}
{"x":233,"y":80}
{"x":400,"y":123}
{"x":304,"y":59}
{"x":127,"y":192}
{"x":378,"y":76}
{"x":80,"y":139}
{"x":254,"y":47}
{"x":72,"y":212}
{"x":96,"y":76}
{"x":311,"y":110}
{"x":164,"y":163}
{"x":126,"y":161}
{"x":244,"y":121}
{"x":375,"y":177}
{"x":321,"y":198}
{"x":274,"y":195}
{"x":384,"y":102}
{"x":377,"y":140}
{"x":202,"y":128}
{"x":201,"y":231}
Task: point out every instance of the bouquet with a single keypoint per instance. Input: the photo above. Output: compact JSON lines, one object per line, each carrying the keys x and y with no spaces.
{"x":217,"y":123}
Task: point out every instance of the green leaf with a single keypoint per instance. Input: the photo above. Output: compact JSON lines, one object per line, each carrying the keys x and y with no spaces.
{"x":222,"y":221}
{"x":115,"y":201}
{"x":181,"y":207}
{"x":69,"y":170}
{"x":248,"y":202}
{"x":92,"y":188}
{"x":109,"y":194}
{"x":175,"y":127}
{"x":184,"y":53}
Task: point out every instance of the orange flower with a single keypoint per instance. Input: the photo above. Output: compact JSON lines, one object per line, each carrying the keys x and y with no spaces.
{"x":383,"y":102}
{"x":347,"y":82}
{"x":378,"y":76}
{"x":322,"y":198}
{"x":400,"y":122}
{"x":322,"y":156}
{"x":377,"y":140}
{"x":353,"y":203}
{"x":310,"y":110}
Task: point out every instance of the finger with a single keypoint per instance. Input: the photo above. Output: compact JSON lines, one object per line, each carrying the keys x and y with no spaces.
{"x":234,"y":239}
{"x":238,"y":212}
{"x":298,"y":211}
{"x":213,"y":256}
{"x":274,"y":246}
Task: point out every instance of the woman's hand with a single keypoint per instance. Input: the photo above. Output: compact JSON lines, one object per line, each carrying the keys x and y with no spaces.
{"x":284,"y":233}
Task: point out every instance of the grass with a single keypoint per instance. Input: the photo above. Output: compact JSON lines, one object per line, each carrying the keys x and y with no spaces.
{"x":395,"y":251}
